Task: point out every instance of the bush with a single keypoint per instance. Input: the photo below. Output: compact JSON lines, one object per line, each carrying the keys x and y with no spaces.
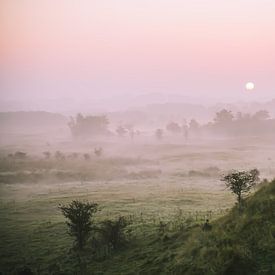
{"x":80,"y":223}
{"x":113,"y":232}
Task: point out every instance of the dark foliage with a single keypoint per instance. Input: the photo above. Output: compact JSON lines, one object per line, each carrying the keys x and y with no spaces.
{"x":173,"y":127}
{"x":240,"y":182}
{"x":113,"y":232}
{"x":88,"y":126}
{"x":25,"y":271}
{"x":80,"y":222}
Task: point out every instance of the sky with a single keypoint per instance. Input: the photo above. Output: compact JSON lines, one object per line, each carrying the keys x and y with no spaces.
{"x":106,"y":48}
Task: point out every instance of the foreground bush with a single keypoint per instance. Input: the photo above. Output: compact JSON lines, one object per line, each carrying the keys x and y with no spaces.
{"x":79,"y":215}
{"x":113,"y":232}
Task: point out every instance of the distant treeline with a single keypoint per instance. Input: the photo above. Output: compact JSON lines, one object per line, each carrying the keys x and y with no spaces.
{"x":241,"y":124}
{"x":225,"y":123}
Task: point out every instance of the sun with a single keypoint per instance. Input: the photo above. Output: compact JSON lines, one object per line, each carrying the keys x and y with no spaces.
{"x":249,"y":86}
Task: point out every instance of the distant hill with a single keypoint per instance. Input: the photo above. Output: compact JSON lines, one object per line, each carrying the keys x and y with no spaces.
{"x":130,"y":102}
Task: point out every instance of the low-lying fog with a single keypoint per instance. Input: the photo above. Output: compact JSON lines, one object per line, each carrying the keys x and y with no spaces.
{"x":156,"y":150}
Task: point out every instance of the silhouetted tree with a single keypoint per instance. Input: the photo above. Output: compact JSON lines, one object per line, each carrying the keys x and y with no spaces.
{"x":86,"y":156}
{"x":59,"y":156}
{"x":173,"y":127}
{"x":159,"y":134}
{"x":47,"y":154}
{"x":20,"y":155}
{"x":121,"y":131}
{"x":261,"y":115}
{"x":194,"y":125}
{"x":73,"y":156}
{"x":223,"y":117}
{"x":80,"y":224}
{"x":98,"y":151}
{"x":185,"y":132}
{"x":240,"y":183}
{"x":132,"y":134}
{"x":88,"y":126}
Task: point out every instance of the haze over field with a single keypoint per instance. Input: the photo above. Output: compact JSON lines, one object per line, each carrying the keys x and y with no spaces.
{"x":137,"y":137}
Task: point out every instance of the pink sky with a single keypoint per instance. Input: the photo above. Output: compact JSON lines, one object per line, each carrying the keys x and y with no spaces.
{"x":56,"y":48}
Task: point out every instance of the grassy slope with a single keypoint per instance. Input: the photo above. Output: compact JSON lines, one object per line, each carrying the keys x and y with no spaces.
{"x":237,"y":244}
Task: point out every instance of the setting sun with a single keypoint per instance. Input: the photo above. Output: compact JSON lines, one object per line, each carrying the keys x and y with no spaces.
{"x":249,"y":86}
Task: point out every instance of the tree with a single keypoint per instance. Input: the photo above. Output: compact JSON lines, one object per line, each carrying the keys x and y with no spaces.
{"x":88,"y":126}
{"x":240,"y":183}
{"x":173,"y":127}
{"x":223,"y":117}
{"x":98,"y":151}
{"x":121,"y":131}
{"x":86,"y":156}
{"x":20,"y":155}
{"x":261,"y":115}
{"x":79,"y":215}
{"x":194,"y":125}
{"x":159,"y":134}
{"x":59,"y":156}
{"x":47,"y":154}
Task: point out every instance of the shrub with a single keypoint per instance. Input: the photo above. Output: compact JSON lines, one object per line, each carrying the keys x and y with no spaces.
{"x":113,"y":232}
{"x":80,"y":222}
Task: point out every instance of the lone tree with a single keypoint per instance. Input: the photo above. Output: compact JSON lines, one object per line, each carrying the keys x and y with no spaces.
{"x":240,"y":183}
{"x":79,"y":215}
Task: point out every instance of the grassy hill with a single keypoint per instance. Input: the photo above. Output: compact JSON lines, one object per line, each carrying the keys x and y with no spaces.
{"x":237,"y":244}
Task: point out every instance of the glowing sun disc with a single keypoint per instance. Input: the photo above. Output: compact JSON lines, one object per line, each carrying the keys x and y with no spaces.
{"x":249,"y":86}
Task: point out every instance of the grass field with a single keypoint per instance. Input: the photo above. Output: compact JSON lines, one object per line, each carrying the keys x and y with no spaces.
{"x":150,"y":182}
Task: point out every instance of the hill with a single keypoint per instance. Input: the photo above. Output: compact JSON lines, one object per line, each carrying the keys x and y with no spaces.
{"x":237,"y":244}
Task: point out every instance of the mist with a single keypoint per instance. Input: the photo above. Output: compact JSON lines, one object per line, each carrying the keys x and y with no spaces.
{"x":137,"y":137}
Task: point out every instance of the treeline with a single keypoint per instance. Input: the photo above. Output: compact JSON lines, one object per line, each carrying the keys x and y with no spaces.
{"x":225,"y":123}
{"x":241,"y":124}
